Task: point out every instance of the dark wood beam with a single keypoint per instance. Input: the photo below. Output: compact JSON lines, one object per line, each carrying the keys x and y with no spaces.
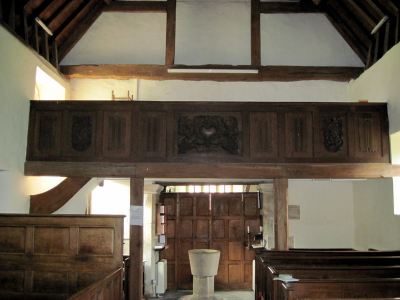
{"x":360,"y":14}
{"x":255,"y":33}
{"x":281,"y":214}
{"x":52,"y":200}
{"x":136,"y":241}
{"x":304,"y":6}
{"x":226,"y":171}
{"x":266,"y":73}
{"x":171,"y":33}
{"x":348,"y":35}
{"x":137,"y":7}
{"x":63,"y":15}
{"x":77,"y":29}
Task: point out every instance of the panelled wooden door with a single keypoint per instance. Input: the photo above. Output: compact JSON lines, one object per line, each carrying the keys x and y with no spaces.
{"x":211,"y":221}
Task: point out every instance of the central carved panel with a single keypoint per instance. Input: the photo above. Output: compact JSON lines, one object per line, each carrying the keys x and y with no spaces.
{"x":206,"y":133}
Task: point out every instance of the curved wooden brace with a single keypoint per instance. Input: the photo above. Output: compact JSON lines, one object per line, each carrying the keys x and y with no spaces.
{"x":50,"y":201}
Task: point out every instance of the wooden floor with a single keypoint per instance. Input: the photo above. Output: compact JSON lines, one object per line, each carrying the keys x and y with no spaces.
{"x":226,"y":295}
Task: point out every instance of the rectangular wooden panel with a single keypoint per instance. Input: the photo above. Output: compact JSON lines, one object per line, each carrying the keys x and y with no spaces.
{"x":186,"y":229}
{"x":235,"y":250}
{"x":169,"y":253}
{"x":185,"y":277}
{"x":235,"y":229}
{"x":170,"y":202}
{"x":186,"y":206}
{"x":117,"y":133}
{"x":153,"y":134}
{"x":202,"y":229}
{"x":184,"y":247}
{"x":12,"y":239}
{"x":222,"y":276}
{"x":202,"y":206}
{"x":248,"y":272}
{"x":48,"y":240}
{"x":368,"y":138}
{"x":218,"y":229}
{"x":50,"y":282}
{"x":235,"y":205}
{"x":12,"y":281}
{"x":298,"y":134}
{"x":47,"y":133}
{"x":264,"y":134}
{"x":219,"y":206}
{"x":80,"y":138}
{"x":235,"y":274}
{"x":171,"y":229}
{"x":221,"y":246}
{"x":99,"y":241}
{"x":251,"y":205}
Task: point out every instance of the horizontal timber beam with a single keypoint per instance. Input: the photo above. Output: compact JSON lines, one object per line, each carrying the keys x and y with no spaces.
{"x":289,"y":7}
{"x":160,"y":72}
{"x":137,"y":7}
{"x":217,"y":170}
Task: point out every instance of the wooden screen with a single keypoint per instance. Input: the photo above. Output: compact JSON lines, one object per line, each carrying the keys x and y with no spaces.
{"x":53,"y":256}
{"x":211,"y":221}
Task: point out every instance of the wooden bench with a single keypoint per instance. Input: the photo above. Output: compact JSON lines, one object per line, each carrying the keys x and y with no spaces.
{"x":302,"y":259}
{"x":331,"y":272}
{"x":339,"y":288}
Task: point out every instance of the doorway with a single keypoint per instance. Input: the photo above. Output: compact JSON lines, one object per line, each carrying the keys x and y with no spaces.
{"x":211,"y":221}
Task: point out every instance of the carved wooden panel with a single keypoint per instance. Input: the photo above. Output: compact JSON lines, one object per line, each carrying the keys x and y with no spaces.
{"x":298,"y":134}
{"x":99,"y":241}
{"x":117,"y":133}
{"x":12,"y":280}
{"x":48,"y":133}
{"x":251,"y":205}
{"x":153,"y":134}
{"x":81,"y":133}
{"x":368,"y":139}
{"x":208,"y":134}
{"x":333,"y":134}
{"x":174,"y":132}
{"x":50,"y":282}
{"x":264,"y":134}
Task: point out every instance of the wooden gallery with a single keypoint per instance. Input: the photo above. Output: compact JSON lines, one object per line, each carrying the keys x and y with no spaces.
{"x":133,"y":132}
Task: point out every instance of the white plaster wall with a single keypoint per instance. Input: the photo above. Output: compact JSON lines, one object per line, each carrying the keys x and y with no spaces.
{"x":122,"y":38}
{"x":148,"y":90}
{"x":303,"y":40}
{"x":326,"y":214}
{"x":376,"y":226}
{"x":212,"y":32}
{"x":17,"y":86}
{"x":380,"y":83}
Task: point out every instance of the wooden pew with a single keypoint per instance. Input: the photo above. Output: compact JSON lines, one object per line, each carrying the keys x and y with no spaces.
{"x":340,"y":288}
{"x":272,"y":258}
{"x":330,"y":272}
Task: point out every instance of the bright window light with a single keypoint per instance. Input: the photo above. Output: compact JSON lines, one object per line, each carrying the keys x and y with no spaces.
{"x":46,"y":88}
{"x":395,"y":153}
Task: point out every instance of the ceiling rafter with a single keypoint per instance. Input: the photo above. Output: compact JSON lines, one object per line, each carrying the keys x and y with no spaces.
{"x":137,"y":6}
{"x":360,"y":14}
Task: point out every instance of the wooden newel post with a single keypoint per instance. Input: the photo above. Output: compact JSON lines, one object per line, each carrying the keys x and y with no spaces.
{"x":136,"y":239}
{"x":281,"y":214}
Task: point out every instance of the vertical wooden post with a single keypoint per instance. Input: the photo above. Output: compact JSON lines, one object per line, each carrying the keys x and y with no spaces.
{"x":12,"y":16}
{"x":281,"y":214}
{"x":255,"y":33}
{"x":54,"y":57}
{"x":136,"y":241}
{"x":171,"y":30}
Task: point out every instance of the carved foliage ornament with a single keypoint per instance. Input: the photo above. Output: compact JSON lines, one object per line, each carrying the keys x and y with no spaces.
{"x":208,"y":133}
{"x":333,"y":134}
{"x":81,"y":134}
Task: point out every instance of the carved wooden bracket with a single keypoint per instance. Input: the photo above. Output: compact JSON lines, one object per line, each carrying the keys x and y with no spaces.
{"x":50,"y":201}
